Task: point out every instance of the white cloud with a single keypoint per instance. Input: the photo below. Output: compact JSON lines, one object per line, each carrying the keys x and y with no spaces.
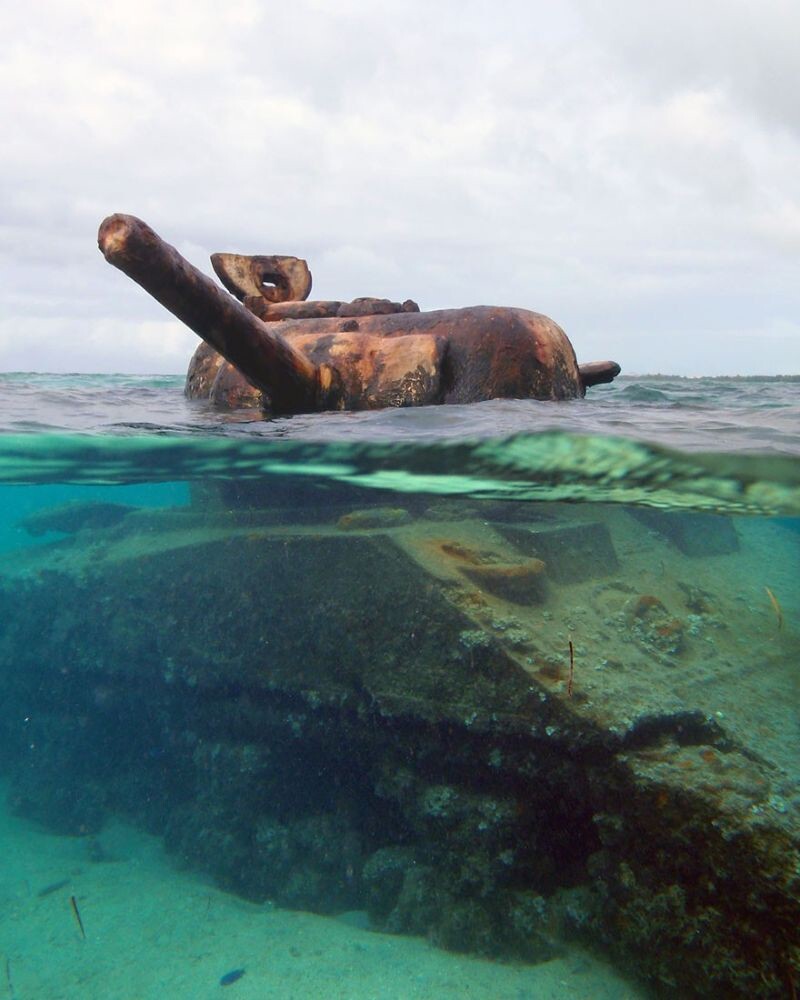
{"x":617,"y":165}
{"x":99,"y":345}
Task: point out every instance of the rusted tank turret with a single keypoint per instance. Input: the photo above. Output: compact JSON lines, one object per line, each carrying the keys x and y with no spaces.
{"x":266,"y":345}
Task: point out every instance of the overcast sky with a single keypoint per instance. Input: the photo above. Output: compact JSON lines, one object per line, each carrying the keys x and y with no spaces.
{"x":630,"y":169}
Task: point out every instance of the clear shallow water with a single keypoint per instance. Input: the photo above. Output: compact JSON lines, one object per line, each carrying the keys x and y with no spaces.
{"x":239,"y":635}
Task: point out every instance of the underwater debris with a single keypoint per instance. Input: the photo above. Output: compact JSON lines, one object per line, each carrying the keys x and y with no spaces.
{"x":645,"y":603}
{"x":697,"y":600}
{"x":454,"y":829}
{"x":571,"y":668}
{"x":520,"y":583}
{"x":77,"y":914}
{"x":778,"y":610}
{"x":654,"y":625}
{"x":573,"y":551}
{"x":74,"y":516}
{"x":374,"y":517}
{"x":458,"y":551}
{"x":694,"y":534}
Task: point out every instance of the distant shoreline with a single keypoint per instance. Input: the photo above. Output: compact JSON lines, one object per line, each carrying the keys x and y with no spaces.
{"x":717,"y":378}
{"x":624,"y":375}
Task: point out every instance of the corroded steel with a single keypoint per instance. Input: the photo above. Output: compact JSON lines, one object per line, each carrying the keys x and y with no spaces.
{"x":276,"y":351}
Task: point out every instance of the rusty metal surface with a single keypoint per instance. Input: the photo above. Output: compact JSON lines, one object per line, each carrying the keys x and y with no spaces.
{"x":443,"y":356}
{"x":486,"y":351}
{"x":598,"y":372}
{"x":273,"y":279}
{"x":270,"y":312}
{"x":364,"y":354}
{"x":269,"y":362}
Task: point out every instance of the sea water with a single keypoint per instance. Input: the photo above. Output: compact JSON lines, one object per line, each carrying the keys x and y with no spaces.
{"x":472,"y":675}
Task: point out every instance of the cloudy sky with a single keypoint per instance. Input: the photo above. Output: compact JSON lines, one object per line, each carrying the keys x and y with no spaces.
{"x":630,"y":169}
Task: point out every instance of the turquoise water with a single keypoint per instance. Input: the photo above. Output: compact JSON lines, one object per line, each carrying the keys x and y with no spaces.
{"x":513,"y":687}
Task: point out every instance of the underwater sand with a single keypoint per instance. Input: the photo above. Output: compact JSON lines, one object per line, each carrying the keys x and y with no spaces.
{"x":155,"y":932}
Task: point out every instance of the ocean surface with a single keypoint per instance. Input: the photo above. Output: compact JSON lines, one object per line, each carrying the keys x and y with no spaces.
{"x":749,"y":415}
{"x":257,"y":679}
{"x":718,"y":444}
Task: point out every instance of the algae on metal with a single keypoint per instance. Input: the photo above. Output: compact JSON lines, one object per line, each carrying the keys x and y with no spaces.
{"x":333,"y":710}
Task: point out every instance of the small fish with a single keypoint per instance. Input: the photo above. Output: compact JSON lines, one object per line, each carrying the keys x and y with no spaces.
{"x":774,"y":602}
{"x":53,"y":887}
{"x":231,"y":977}
{"x":9,"y":981}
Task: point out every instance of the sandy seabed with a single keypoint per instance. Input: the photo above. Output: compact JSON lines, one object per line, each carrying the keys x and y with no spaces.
{"x":155,"y":931}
